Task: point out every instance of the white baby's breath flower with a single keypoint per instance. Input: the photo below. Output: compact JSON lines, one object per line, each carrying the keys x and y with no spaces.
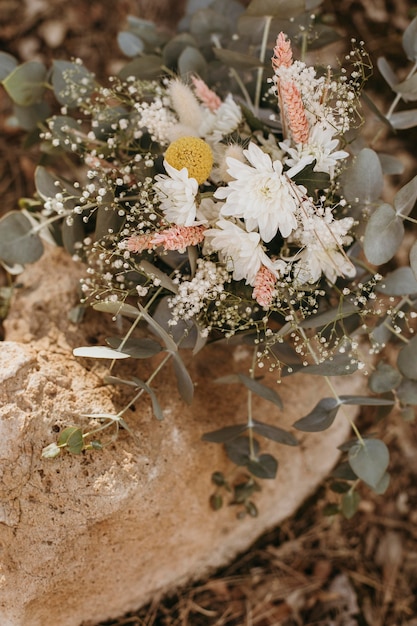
{"x":260,"y":194}
{"x":241,"y":251}
{"x":177,"y":193}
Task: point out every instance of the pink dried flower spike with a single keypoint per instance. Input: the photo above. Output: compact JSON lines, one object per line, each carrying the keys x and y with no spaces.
{"x":264,"y":289}
{"x":206,"y":95}
{"x":179,"y":237}
{"x":294,"y":112}
{"x":282,"y":52}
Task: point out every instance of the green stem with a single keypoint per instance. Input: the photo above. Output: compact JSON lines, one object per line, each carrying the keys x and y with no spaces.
{"x":264,"y":43}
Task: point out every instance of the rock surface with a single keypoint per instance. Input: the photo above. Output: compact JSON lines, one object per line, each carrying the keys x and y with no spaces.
{"x":89,"y":537}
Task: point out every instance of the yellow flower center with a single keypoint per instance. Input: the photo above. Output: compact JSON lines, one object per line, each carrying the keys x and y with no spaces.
{"x":192,"y":153}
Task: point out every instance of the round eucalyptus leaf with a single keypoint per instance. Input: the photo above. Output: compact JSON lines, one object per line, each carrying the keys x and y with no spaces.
{"x":72,"y":83}
{"x":369,"y":460}
{"x":131,"y":45}
{"x":407,"y":392}
{"x":320,"y":418}
{"x":407,"y":359}
{"x":400,"y":282}
{"x":410,"y":40}
{"x":237,"y":60}
{"x":238,"y":450}
{"x":191,"y":61}
{"x":146,"y":67}
{"x":383,"y":235}
{"x":350,"y":503}
{"x":384,"y":378}
{"x":406,"y":197}
{"x":265,"y":466}
{"x":402,"y":120}
{"x":7,"y":64}
{"x":29,"y":117}
{"x":26,"y":83}
{"x":407,"y":89}
{"x":175,"y":46}
{"x":362,"y":189}
{"x":18,"y":243}
{"x":72,"y":438}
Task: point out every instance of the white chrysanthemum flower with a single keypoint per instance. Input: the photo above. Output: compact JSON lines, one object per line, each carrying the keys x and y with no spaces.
{"x":260,"y":194}
{"x":177,"y":193}
{"x":241,"y":251}
{"x":322,"y":239}
{"x":221,"y":122}
{"x":321,"y":147}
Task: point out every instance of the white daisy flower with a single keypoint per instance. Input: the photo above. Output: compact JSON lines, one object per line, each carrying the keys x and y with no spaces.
{"x":177,"y":194}
{"x":221,"y":122}
{"x":260,"y":194}
{"x":320,"y":147}
{"x":239,"y":250}
{"x":322,"y":239}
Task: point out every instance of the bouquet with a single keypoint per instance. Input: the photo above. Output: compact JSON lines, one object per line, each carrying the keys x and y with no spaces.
{"x":250,"y":214}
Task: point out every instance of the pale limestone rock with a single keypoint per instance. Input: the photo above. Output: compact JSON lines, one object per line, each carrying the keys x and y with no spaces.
{"x":85,"y":538}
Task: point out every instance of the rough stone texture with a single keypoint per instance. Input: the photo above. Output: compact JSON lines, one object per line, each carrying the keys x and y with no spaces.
{"x":85,"y":538}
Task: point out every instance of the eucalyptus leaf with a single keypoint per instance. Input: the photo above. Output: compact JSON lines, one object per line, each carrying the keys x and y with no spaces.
{"x":369,"y":460}
{"x":391,"y":164}
{"x":410,"y":40}
{"x":237,"y":60}
{"x":191,"y":61}
{"x":312,"y":180}
{"x":407,"y":89}
{"x":7,"y":64}
{"x":154,"y":272}
{"x":405,"y":198}
{"x":143,"y":348}
{"x":175,"y":47}
{"x":108,"y":221}
{"x":206,"y":22}
{"x":261,"y":390}
{"x":383,"y":235}
{"x":170,"y":344}
{"x":147,"y":31}
{"x":364,"y":189}
{"x":130,"y":44}
{"x":239,"y":451}
{"x":407,"y":359}
{"x":320,"y":418}
{"x":99,"y":352}
{"x":26,"y":84}
{"x":29,"y":117}
{"x":383,"y":484}
{"x":344,"y":309}
{"x":156,"y":407}
{"x":385,"y":378}
{"x":19,"y":244}
{"x":265,"y":466}
{"x":72,"y":82}
{"x":407,"y":392}
{"x":344,"y":472}
{"x":341,"y":364}
{"x":350,"y":503}
{"x":72,"y":438}
{"x":365,"y":401}
{"x":117,"y":308}
{"x":146,"y":67}
{"x":402,"y":120}
{"x":399,"y":282}
{"x":184,"y":382}
{"x":387,"y":72}
{"x":223,"y":435}
{"x":413,"y":259}
{"x":283,"y":9}
{"x":274,"y":433}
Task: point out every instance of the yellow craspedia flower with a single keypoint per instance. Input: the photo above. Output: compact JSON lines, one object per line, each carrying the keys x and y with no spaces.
{"x":192,"y":153}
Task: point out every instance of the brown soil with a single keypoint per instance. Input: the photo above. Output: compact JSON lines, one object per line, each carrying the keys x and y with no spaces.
{"x":313,"y":570}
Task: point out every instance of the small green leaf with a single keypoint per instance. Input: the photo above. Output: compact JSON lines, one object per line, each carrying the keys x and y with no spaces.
{"x":274,"y":433}
{"x":369,"y":460}
{"x":402,"y":120}
{"x":341,"y":364}
{"x":175,"y":46}
{"x":383,"y":235}
{"x":154,"y":272}
{"x":339,"y":487}
{"x":223,"y":435}
{"x":218,"y":479}
{"x":344,"y":472}
{"x":216,"y":501}
{"x":146,"y":67}
{"x":407,"y":392}
{"x":383,"y":484}
{"x":312,"y":180}
{"x":320,"y":418}
{"x":26,"y":83}
{"x":18,"y":242}
{"x":410,"y":40}
{"x":237,"y":60}
{"x":407,"y":88}
{"x":156,"y":408}
{"x":170,"y":344}
{"x":72,"y":438}
{"x":261,"y":390}
{"x":387,"y":72}
{"x":29,"y":117}
{"x":350,"y":503}
{"x":265,"y":466}
{"x":407,"y":360}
